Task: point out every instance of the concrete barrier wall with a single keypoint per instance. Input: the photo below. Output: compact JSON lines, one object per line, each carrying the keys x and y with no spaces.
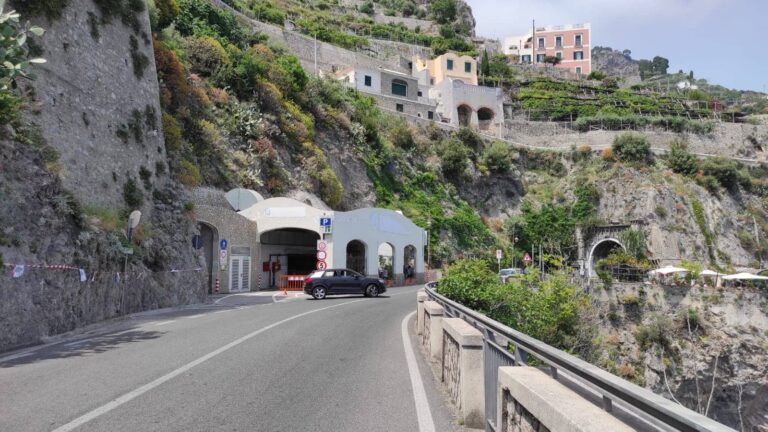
{"x":530,"y":400}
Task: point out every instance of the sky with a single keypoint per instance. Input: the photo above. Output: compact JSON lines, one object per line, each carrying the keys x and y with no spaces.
{"x":723,"y":41}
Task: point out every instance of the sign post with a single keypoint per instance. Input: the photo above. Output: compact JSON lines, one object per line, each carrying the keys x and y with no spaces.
{"x":326,"y":225}
{"x":322,"y":253}
{"x":223,"y":254}
{"x":527,"y":259}
{"x":498,"y":258}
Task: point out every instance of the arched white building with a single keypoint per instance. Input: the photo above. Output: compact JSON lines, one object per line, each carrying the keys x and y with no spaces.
{"x":275,"y":237}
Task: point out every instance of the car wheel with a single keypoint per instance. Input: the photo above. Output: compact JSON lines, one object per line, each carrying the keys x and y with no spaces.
{"x":372,"y":290}
{"x":318,"y":293}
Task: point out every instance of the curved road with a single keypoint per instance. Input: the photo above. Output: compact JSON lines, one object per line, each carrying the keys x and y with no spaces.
{"x":340,"y":364}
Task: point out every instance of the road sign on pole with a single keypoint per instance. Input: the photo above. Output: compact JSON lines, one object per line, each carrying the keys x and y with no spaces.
{"x":322,"y":245}
{"x":321,"y":255}
{"x":498,"y":258}
{"x":527,"y":258}
{"x":321,"y":265}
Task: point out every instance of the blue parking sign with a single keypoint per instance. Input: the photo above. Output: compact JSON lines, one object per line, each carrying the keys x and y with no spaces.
{"x":325,"y":222}
{"x":223,"y":244}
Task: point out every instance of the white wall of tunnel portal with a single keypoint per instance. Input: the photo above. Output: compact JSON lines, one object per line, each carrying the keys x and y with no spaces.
{"x":288,"y":230}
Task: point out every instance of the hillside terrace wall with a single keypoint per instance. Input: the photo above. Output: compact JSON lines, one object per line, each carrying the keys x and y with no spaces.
{"x":329,"y":57}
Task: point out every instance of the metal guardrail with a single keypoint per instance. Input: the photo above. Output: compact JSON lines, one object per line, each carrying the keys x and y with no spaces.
{"x":642,"y":405}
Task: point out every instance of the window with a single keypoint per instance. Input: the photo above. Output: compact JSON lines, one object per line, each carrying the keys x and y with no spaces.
{"x":540,"y":58}
{"x":450,"y":64}
{"x":526,"y":58}
{"x":467,"y":67}
{"x":419,"y":94}
{"x":541,"y":42}
{"x":559,"y":55}
{"x":430,"y":115}
{"x":577,"y":40}
{"x":558,"y":42}
{"x":367,"y":80}
{"x":431,"y":81}
{"x":578,"y":55}
{"x":578,"y":71}
{"x":399,"y":87}
{"x":399,"y":107}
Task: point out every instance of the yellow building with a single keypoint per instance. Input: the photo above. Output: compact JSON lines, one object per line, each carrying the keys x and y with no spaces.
{"x":448,"y":65}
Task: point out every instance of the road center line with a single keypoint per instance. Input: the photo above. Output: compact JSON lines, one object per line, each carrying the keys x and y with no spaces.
{"x":162,"y":323}
{"x":423,"y":413}
{"x":127,"y":397}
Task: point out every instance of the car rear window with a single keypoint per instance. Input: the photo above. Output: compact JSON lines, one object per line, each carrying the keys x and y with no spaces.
{"x":316,"y":274}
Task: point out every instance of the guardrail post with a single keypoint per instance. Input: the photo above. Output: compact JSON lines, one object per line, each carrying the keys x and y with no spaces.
{"x":433,"y":330}
{"x":462,"y":370}
{"x":421,"y":297}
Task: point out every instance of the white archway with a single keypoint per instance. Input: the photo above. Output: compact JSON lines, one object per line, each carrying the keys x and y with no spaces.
{"x":600,"y":250}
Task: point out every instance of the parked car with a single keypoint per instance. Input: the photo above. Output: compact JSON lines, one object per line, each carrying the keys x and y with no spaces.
{"x":322,"y":283}
{"x":507,"y":273}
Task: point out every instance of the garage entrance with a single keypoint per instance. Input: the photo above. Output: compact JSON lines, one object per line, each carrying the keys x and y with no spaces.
{"x":287,"y":251}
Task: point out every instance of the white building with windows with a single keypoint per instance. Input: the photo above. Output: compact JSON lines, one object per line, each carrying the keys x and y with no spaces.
{"x":251,"y":243}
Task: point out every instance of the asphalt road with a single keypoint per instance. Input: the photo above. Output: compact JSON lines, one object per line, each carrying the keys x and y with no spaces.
{"x":338,"y":364}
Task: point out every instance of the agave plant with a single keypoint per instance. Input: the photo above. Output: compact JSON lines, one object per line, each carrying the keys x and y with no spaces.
{"x":14,"y":52}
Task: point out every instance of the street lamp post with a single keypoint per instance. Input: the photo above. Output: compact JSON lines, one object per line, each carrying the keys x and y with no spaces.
{"x":514,"y":258}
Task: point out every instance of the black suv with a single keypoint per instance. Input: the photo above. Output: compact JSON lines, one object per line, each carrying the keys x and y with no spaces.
{"x":341,"y":281}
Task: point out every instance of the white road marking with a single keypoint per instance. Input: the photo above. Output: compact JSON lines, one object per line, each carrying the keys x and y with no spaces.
{"x":162,"y":323}
{"x":423,"y":413}
{"x":15,"y":356}
{"x":75,"y":343}
{"x":194,"y":316}
{"x":127,"y":397}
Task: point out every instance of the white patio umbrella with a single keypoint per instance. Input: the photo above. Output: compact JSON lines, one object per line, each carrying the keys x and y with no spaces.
{"x":710,"y":273}
{"x":745,"y":276}
{"x":668,"y":270}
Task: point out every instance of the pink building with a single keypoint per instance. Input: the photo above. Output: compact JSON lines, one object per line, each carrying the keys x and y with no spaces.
{"x":571,"y":43}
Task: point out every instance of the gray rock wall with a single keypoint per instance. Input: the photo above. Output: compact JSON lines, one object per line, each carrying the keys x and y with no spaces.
{"x":88,"y":91}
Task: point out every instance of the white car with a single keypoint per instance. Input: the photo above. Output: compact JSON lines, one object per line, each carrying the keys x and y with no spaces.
{"x":507,"y":273}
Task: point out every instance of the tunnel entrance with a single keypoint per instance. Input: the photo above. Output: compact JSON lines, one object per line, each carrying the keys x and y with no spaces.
{"x":287,"y":251}
{"x":601,"y":250}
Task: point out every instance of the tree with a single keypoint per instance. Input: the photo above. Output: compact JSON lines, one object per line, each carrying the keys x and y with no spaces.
{"x":660,"y":65}
{"x":444,"y":11}
{"x":553,"y":60}
{"x":485,"y":64}
{"x":627,"y":53}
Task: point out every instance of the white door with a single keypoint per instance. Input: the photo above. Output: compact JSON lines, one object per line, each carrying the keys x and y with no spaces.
{"x":240,"y":273}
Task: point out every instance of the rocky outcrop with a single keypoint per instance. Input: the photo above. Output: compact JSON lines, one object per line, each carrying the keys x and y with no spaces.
{"x":614,"y":63}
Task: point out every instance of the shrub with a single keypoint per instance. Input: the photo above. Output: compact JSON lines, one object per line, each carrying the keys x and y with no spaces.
{"x":51,"y":9}
{"x":167,"y":11}
{"x":632,"y":148}
{"x":497,"y":156}
{"x":680,"y":160}
{"x":401,"y":135}
{"x":607,"y":154}
{"x":367,"y":8}
{"x":9,"y":107}
{"x":132,"y":195}
{"x":634,"y":241}
{"x":205,"y":55}
{"x":188,"y":174}
{"x":454,"y":158}
{"x":200,"y":17}
{"x":329,"y":187}
{"x":597,"y":75}
{"x":725,"y":170}
{"x":266,"y":10}
{"x":661,"y":211}
{"x":655,"y":332}
{"x":172,"y":133}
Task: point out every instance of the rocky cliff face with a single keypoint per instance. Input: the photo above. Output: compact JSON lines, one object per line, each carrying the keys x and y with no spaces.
{"x":614,"y":63}
{"x":90,"y":150}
